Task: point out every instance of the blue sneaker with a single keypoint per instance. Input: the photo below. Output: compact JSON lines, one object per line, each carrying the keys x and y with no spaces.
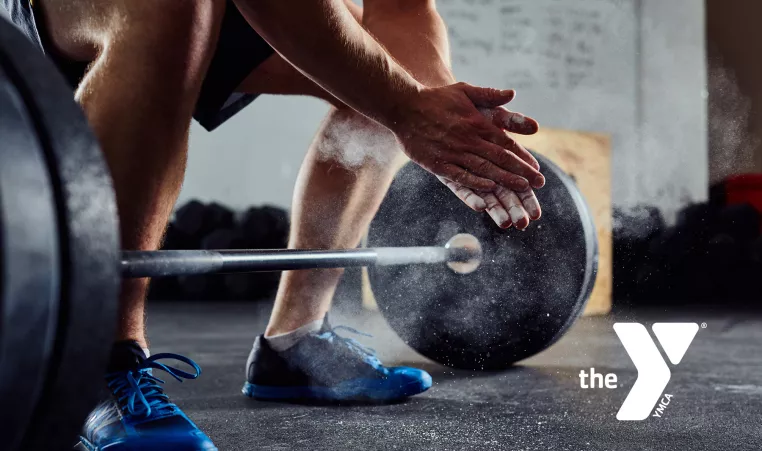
{"x":328,"y":367}
{"x":139,"y":415}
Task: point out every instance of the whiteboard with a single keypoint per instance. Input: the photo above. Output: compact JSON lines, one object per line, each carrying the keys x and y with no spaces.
{"x":571,"y":62}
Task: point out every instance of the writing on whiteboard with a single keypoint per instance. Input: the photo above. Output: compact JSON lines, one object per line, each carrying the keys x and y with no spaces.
{"x":556,"y":44}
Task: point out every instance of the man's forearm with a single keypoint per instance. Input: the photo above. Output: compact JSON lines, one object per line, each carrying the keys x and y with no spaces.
{"x":324,"y":41}
{"x":416,"y":36}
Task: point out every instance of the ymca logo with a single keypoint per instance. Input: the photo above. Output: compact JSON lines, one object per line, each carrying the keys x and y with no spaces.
{"x":653,"y":372}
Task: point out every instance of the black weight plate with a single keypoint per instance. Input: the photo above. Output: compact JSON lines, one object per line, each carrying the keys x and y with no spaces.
{"x":529,"y":289}
{"x":88,"y":239}
{"x":29,"y":275}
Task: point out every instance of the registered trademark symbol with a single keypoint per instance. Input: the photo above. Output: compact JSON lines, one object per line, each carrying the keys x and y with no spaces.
{"x":703,"y":325}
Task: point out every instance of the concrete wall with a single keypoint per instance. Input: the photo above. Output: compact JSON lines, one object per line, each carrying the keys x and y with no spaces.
{"x":254,"y":157}
{"x":672,"y":105}
{"x":734,"y":40}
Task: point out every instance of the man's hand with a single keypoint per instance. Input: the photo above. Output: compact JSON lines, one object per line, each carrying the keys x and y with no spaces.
{"x":463,"y":142}
{"x":444,"y":131}
{"x":506,"y":207}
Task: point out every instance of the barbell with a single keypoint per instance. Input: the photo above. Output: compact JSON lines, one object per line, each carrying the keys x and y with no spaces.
{"x":61,"y":266}
{"x":462,"y":253}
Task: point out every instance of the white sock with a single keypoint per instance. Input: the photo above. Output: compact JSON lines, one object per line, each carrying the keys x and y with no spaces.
{"x":281,"y":342}
{"x":146,"y":352}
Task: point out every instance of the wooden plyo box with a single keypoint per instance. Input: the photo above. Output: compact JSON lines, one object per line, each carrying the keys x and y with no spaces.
{"x":587,"y":158}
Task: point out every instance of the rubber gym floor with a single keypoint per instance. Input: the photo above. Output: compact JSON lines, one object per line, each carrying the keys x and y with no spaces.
{"x":716,"y":390}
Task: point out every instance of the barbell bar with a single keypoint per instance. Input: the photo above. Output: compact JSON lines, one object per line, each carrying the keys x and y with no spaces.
{"x":462,"y":251}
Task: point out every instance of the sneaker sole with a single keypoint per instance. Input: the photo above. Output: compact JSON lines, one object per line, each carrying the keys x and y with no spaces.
{"x":354,"y":390}
{"x":85,"y":445}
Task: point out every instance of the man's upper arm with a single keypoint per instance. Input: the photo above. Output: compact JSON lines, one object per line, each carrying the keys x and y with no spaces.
{"x":355,"y":9}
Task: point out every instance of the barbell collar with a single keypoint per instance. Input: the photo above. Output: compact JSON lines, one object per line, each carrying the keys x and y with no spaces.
{"x":137,"y":264}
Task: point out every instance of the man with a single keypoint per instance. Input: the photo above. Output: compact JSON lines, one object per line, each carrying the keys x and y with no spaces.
{"x":143,"y":68}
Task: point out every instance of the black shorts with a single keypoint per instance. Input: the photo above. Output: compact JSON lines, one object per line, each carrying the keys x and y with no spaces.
{"x":239,"y":51}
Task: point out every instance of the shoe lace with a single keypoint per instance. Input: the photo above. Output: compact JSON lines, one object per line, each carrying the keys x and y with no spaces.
{"x":138,"y":392}
{"x":368,"y":354}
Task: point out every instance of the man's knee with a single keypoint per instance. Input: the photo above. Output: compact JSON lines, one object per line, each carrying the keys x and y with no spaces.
{"x":352,"y":141}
